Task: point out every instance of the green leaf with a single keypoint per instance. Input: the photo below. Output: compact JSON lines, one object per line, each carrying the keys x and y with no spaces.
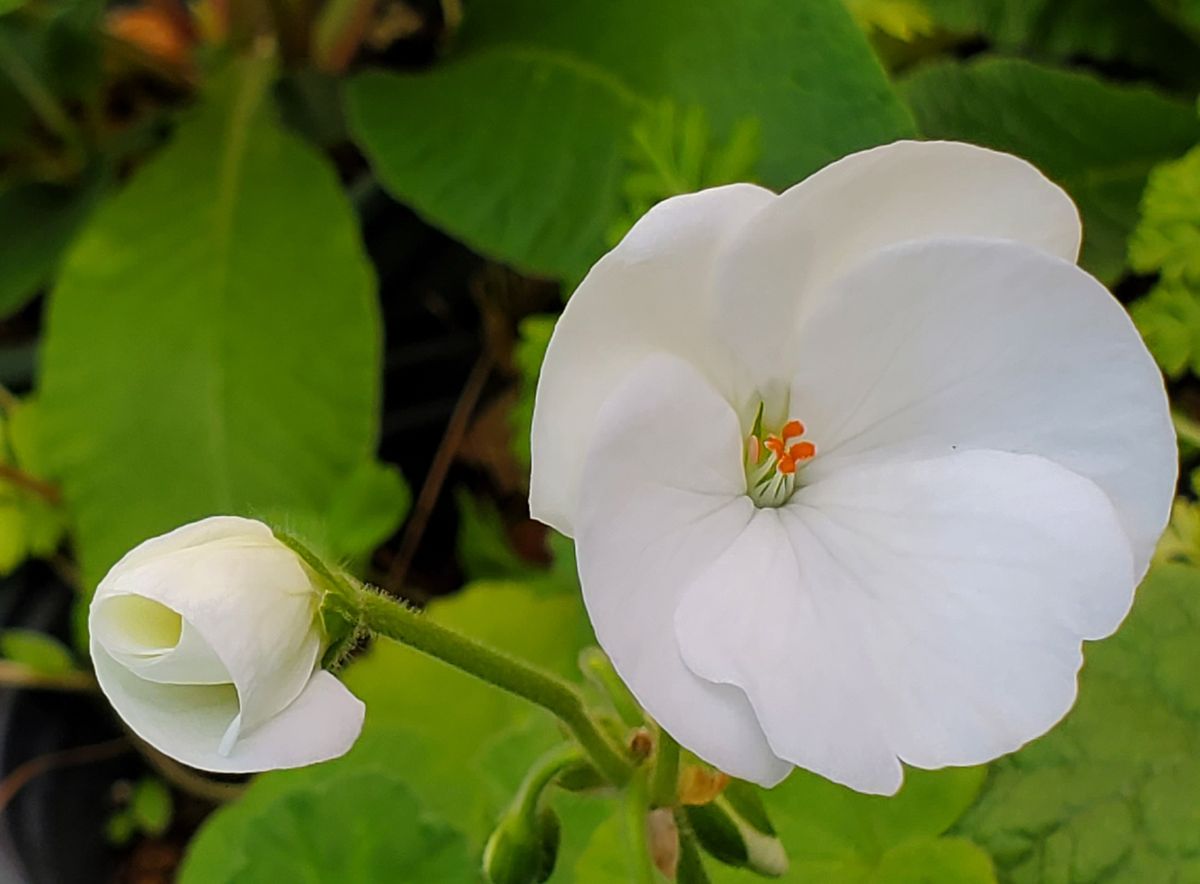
{"x":517,"y":143}
{"x":213,"y":344}
{"x":484,"y":550}
{"x":367,"y":508}
{"x":1169,"y":319}
{"x":832,"y":833}
{"x":37,"y":223}
{"x":935,"y":861}
{"x":533,"y":337}
{"x":40,"y":652}
{"x":904,"y":20}
{"x":152,"y":806}
{"x":1096,"y":139}
{"x":354,"y":824}
{"x":1128,"y":31}
{"x":30,"y":525}
{"x":1110,"y":794}
{"x":1167,"y":238}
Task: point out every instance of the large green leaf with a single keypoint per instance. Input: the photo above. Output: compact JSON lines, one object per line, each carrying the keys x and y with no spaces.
{"x":519,"y":142}
{"x":213,"y":344}
{"x":1110,"y":795}
{"x":359,"y":824}
{"x":1097,"y":139}
{"x":1128,"y":31}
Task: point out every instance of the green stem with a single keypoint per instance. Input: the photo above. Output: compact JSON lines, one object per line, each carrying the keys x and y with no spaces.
{"x":665,"y":787}
{"x":397,"y":621}
{"x":544,"y":771}
{"x":636,"y":808}
{"x":599,"y":670}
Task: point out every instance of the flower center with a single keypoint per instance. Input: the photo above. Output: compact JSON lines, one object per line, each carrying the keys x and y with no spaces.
{"x":772,"y":460}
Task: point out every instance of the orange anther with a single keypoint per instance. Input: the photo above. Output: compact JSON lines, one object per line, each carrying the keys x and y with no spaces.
{"x":792,"y":429}
{"x":787,"y":466}
{"x":802,"y":451}
{"x":774,"y":445}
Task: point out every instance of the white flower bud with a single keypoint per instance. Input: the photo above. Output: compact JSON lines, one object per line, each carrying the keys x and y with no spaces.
{"x":207,"y":643}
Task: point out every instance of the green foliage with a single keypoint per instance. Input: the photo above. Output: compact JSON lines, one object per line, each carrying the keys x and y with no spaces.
{"x":1181,"y":541}
{"x":517,"y":144}
{"x":37,"y":223}
{"x":149,"y":812}
{"x":1127,"y":31}
{"x":1167,"y":241}
{"x":902,"y":19}
{"x":40,"y":652}
{"x":366,"y":509}
{"x":359,"y":824}
{"x":235,"y":364}
{"x":30,"y":524}
{"x":533,"y":337}
{"x":1169,"y":320}
{"x":1110,"y":794}
{"x":1098,"y":140}
{"x":835,"y":835}
{"x":672,"y":152}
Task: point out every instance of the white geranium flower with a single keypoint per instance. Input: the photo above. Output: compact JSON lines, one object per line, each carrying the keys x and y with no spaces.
{"x":206,"y":642}
{"x":853,"y":470}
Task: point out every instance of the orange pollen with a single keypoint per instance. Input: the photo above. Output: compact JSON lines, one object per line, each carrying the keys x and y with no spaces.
{"x":802,"y":451}
{"x":786,"y":465}
{"x":792,"y":429}
{"x":774,"y":445}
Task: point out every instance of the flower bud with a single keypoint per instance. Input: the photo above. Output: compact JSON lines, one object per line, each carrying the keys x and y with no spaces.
{"x":734,"y":829}
{"x":523,"y":849}
{"x":207,"y":642}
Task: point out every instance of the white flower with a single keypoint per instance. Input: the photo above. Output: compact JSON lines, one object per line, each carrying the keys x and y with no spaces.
{"x":985,"y":462}
{"x":206,"y":642}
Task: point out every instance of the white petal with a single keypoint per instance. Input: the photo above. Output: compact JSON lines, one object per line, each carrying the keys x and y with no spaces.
{"x":652,"y":293}
{"x":243,"y":596}
{"x":958,"y":345}
{"x":188,"y":722}
{"x":214,"y":529}
{"x":927,"y":610}
{"x":661,"y":498}
{"x":896,"y":193}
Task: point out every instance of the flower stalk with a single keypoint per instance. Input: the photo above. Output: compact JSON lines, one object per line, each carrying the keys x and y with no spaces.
{"x":386,"y":616}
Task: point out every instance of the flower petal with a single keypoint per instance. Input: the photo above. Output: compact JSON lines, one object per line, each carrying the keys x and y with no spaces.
{"x":963,"y":344}
{"x":188,"y":722}
{"x":900,"y":192}
{"x":652,"y":293}
{"x":239,"y":594}
{"x":927,"y":610}
{"x":663,"y":495}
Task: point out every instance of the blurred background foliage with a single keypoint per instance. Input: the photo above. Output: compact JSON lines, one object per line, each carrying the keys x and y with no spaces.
{"x":284,"y":257}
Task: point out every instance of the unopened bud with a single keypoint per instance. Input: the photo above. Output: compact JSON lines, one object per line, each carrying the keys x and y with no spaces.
{"x":522,"y":850}
{"x":735,"y":830}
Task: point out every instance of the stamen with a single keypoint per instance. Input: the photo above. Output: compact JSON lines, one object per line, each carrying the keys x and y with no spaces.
{"x":802,"y":451}
{"x":772,"y":461}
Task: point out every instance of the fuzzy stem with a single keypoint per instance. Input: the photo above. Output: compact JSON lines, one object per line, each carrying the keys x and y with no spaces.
{"x":397,"y":621}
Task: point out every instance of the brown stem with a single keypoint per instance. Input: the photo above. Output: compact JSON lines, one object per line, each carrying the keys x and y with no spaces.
{"x":456,"y":429}
{"x":17,"y":477}
{"x":25,"y":773}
